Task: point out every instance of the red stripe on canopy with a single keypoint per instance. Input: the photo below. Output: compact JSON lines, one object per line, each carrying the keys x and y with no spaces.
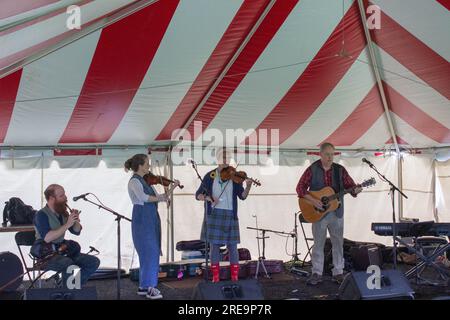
{"x":121,"y":60}
{"x":413,"y":54}
{"x":399,"y":141}
{"x":415,"y":117}
{"x":9,"y":87}
{"x":11,"y":8}
{"x":445,"y":3}
{"x":359,"y":121}
{"x":318,"y":79}
{"x":77,"y":152}
{"x":247,"y":58}
{"x":243,"y":21}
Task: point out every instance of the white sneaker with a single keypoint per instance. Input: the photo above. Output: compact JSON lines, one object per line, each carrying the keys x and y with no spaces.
{"x":142,"y":291}
{"x":154,"y":294}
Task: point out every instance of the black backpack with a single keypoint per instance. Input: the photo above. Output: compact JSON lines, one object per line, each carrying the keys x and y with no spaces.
{"x":17,"y":212}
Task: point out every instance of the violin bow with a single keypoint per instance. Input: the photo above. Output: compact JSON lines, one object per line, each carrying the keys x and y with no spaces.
{"x":165,"y":188}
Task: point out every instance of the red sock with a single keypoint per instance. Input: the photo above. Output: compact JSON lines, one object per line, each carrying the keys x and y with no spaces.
{"x":234,"y":269}
{"x":215,"y":267}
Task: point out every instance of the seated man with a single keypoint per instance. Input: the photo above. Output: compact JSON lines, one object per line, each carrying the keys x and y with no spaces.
{"x":51,"y":224}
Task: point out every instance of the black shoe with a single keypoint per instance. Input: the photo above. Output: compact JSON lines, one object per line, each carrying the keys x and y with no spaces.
{"x":314,"y":279}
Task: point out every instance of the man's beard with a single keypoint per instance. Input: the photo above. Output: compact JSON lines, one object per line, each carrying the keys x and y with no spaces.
{"x":60,"y":207}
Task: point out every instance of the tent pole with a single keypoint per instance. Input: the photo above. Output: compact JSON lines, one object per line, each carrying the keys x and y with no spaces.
{"x":400,"y":185}
{"x":376,"y":72}
{"x":229,"y":65}
{"x":42,"y":180}
{"x":125,"y":12}
{"x":172,"y":252}
{"x":434,"y":181}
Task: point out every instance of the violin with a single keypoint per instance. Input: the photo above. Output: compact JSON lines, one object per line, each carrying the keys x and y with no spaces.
{"x":230,"y":173}
{"x":152,"y":179}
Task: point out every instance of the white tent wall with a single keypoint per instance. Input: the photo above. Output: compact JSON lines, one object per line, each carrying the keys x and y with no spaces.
{"x":418,"y":173}
{"x":442,"y":190}
{"x":274,"y":203}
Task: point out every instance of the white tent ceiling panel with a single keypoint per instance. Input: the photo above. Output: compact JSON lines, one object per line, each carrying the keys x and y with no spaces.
{"x":278,"y":68}
{"x":19,"y":43}
{"x":352,"y":89}
{"x":412,"y":136}
{"x":428,"y":20}
{"x":415,"y":89}
{"x":48,"y":93}
{"x":184,"y":41}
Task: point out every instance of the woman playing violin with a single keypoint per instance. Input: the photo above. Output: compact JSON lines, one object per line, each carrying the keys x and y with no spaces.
{"x":146,"y":224}
{"x":221,"y":224}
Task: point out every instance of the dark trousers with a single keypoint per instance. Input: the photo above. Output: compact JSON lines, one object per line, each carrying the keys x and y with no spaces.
{"x":88,"y":264}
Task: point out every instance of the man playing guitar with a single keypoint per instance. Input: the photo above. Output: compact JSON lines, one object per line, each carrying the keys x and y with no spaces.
{"x":320,"y":174}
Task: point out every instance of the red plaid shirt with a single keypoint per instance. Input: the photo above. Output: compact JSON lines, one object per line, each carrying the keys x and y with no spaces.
{"x":305,"y":181}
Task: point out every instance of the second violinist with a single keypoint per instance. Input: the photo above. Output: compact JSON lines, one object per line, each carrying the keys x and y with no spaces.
{"x":221,"y":224}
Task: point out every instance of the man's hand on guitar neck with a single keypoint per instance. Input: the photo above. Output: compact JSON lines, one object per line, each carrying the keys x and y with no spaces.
{"x":357,"y":190}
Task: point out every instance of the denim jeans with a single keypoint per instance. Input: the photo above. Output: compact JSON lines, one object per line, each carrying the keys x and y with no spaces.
{"x":88,"y":264}
{"x":335,"y":227}
{"x":146,"y":232}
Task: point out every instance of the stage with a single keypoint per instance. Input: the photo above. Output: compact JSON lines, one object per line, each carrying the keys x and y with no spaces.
{"x":282,"y":286}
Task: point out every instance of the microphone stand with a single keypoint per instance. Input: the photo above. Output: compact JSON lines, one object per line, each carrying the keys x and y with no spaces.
{"x":194,"y":166}
{"x":119,"y":217}
{"x":392,"y":190}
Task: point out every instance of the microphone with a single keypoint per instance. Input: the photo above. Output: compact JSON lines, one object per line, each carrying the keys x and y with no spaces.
{"x":93,"y":249}
{"x":192,"y":162}
{"x":81,"y":196}
{"x":368,"y":162}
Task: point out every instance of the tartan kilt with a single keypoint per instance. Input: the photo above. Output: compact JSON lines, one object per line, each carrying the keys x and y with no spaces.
{"x":222,"y":228}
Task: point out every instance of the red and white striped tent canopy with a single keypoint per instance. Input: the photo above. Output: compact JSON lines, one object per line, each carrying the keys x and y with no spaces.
{"x":138,"y":70}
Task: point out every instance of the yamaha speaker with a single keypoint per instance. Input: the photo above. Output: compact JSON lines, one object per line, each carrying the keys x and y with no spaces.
{"x":228,"y":290}
{"x":88,"y":293}
{"x":393,"y":286}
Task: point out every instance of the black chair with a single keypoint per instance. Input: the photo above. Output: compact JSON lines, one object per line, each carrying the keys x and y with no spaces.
{"x":307,"y":239}
{"x":428,"y":248}
{"x":27,"y":239}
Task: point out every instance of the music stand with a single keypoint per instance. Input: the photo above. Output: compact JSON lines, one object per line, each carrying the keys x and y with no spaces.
{"x":261,"y":258}
{"x":206,"y":193}
{"x":295,"y":254}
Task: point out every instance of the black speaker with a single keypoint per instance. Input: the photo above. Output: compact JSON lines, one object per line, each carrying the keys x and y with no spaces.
{"x":87,"y":293}
{"x":11,"y":272}
{"x":366,"y":255}
{"x":393,"y":286}
{"x":228,"y":290}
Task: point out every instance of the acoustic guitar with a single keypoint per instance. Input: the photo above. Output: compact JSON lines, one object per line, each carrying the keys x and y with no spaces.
{"x":330,"y":201}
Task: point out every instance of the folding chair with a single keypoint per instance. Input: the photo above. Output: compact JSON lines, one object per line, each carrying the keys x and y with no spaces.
{"x":27,"y":238}
{"x":427,"y":249}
